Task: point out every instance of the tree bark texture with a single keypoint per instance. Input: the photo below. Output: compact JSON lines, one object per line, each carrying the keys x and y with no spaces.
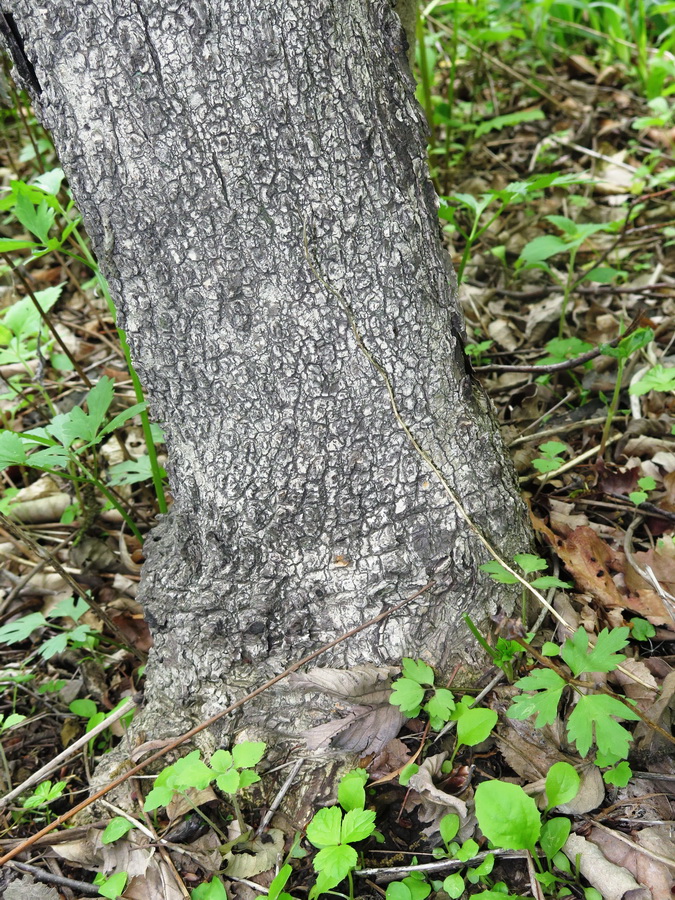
{"x":253,"y":177}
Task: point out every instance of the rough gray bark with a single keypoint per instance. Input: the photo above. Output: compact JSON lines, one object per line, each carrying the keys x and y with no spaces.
{"x":253,"y":178}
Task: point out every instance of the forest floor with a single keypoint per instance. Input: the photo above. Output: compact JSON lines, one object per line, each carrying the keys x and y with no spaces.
{"x":554,"y":164}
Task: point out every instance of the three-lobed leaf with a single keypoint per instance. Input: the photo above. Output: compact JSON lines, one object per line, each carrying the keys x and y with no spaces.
{"x":598,"y":710}
{"x":602,"y":658}
{"x":548,"y":686}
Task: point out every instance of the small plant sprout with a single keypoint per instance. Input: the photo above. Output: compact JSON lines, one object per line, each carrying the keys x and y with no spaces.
{"x":412,"y":887}
{"x":410,"y":693}
{"x":333,"y":832}
{"x":215,"y":890}
{"x":116,"y":829}
{"x":550,"y":458}
{"x":641,"y":629}
{"x":658,"y":378}
{"x":529,"y":563}
{"x":594,"y":715}
{"x":646,"y":484}
{"x":43,"y":796}
{"x":79,"y":636}
{"x":112,"y":887}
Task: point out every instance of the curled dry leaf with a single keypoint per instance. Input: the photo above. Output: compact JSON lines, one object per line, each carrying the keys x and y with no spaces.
{"x":610,"y":880}
{"x":370,"y":724}
{"x":42,"y":501}
{"x":432,"y":803}
{"x":645,"y":869}
{"x":256,"y":856}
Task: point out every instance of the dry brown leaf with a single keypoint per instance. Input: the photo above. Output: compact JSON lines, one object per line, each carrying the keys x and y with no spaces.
{"x":364,"y":730}
{"x":392,"y":758}
{"x":158,"y":883}
{"x":363,"y":684}
{"x":256,"y":856}
{"x":432,"y":803}
{"x":610,"y":880}
{"x":590,"y":795}
{"x":651,"y":873}
{"x":42,"y":501}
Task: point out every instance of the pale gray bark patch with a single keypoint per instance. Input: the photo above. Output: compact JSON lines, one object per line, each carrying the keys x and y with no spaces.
{"x":206,"y":144}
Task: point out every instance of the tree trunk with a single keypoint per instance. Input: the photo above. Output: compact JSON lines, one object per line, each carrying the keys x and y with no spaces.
{"x":254,"y":181}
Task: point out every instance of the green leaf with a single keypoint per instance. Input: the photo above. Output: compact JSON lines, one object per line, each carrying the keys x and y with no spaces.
{"x":515,"y":118}
{"x":248,"y":754}
{"x":38,"y":219}
{"x":448,"y":827}
{"x":335,"y":862}
{"x":351,"y":793}
{"x":618,"y":776}
{"x":215,"y":890}
{"x":397,"y":890}
{"x":23,"y":319}
{"x":440,"y":705}
{"x":132,"y":471}
{"x":641,"y":629}
{"x":9,"y":245}
{"x":547,"y":465}
{"x":407,"y":695}
{"x":115,"y":829}
{"x":54,"y":645}
{"x":603,"y":274}
{"x":544,"y":582}
{"x":11,"y":720}
{"x":221,"y":761}
{"x":113,"y":886}
{"x":85,"y":708}
{"x":70,"y":607}
{"x":98,"y":400}
{"x":454,"y":886}
{"x":598,"y":709}
{"x":658,"y":378}
{"x":12,"y":452}
{"x":498,"y":573}
{"x":467,"y":851}
{"x":507,"y":816}
{"x":418,"y":671}
{"x":278,"y":882}
{"x":552,"y":448}
{"x":123,"y":417}
{"x":542,"y":248}
{"x":602,"y":658}
{"x":591,"y":893}
{"x":529,"y":562}
{"x":20,"y":629}
{"x":325,"y":827}
{"x":475,"y":726}
{"x":630,"y":344}
{"x":407,"y":773}
{"x":357,"y":825}
{"x":247,"y":777}
{"x":229,"y":782}
{"x":549,"y":686}
{"x":562,"y":785}
{"x":158,"y":796}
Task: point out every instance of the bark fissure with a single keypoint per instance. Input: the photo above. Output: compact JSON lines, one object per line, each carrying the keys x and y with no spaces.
{"x":215,"y":148}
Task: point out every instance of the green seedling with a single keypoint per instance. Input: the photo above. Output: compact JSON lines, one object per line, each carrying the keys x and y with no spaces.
{"x":80,"y":636}
{"x":333,"y":832}
{"x":550,"y":459}
{"x":9,"y":721}
{"x":484,"y":211}
{"x":641,"y":629}
{"x":572,"y":236}
{"x":658,"y":378}
{"x":412,"y":887}
{"x":56,"y":227}
{"x":594,"y":715}
{"x":112,"y":887}
{"x":61,"y":447}
{"x":528,"y":562}
{"x":44,"y":795}
{"x":647,"y":483}
{"x":415,"y":692}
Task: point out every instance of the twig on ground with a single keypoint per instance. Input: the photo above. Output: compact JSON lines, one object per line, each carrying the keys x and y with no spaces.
{"x":441,"y":864}
{"x":84,"y":887}
{"x":283,"y":790}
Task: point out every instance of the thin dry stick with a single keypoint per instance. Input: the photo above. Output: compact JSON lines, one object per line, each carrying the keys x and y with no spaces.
{"x":43,"y":553}
{"x":48,"y":322}
{"x":283,"y":790}
{"x":206,"y":724}
{"x":49,"y":767}
{"x":568,"y":363}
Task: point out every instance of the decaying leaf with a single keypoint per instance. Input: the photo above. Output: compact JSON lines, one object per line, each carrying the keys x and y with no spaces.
{"x":370,"y":724}
{"x":256,"y":856}
{"x":610,"y":880}
{"x":432,"y":803}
